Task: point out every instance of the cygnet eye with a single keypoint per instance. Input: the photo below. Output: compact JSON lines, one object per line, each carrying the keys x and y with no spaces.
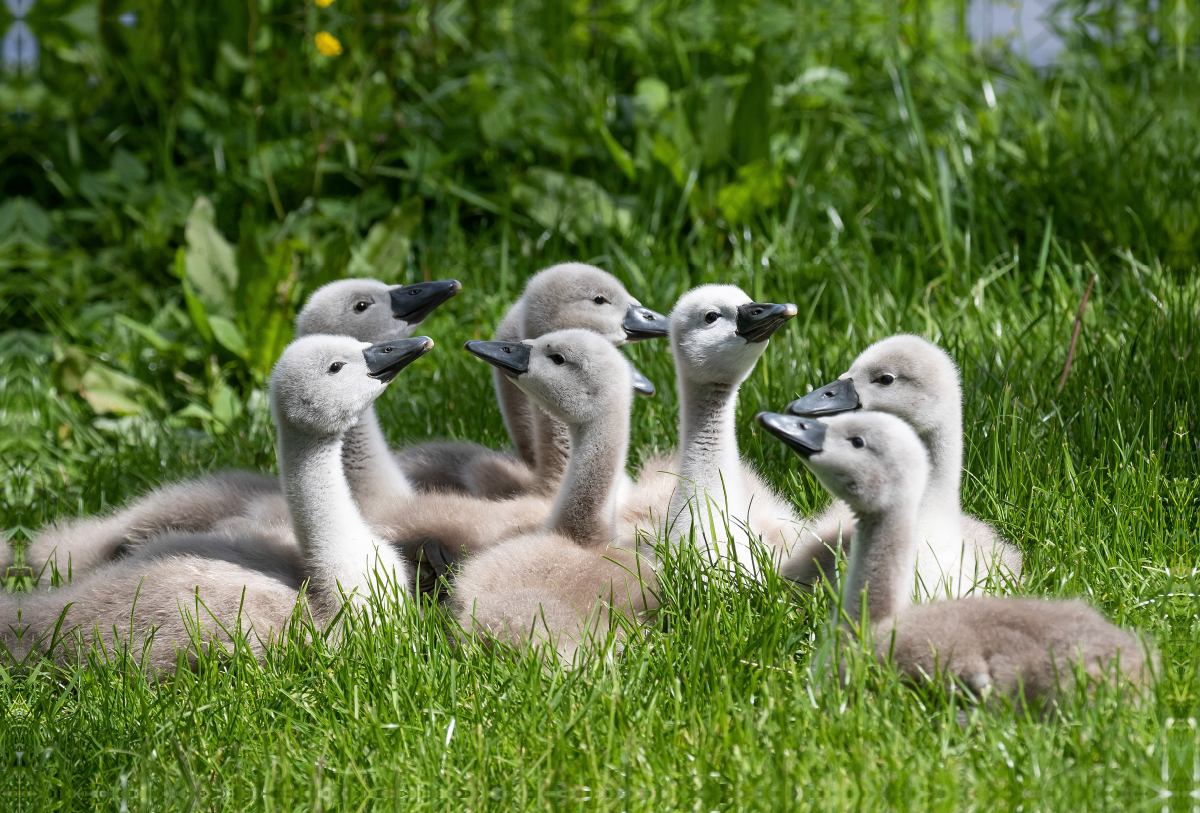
{"x":712,"y":316}
{"x":857,"y":442}
{"x":599,"y":300}
{"x":557,"y":358}
{"x":886,"y":379}
{"x":361,"y":306}
{"x":336,"y":367}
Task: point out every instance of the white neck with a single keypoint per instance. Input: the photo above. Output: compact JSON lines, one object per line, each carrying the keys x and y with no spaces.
{"x":586,"y":508}
{"x":945,"y":446}
{"x":552,"y":448}
{"x":882,"y":562}
{"x":338,"y":547}
{"x":709,"y":465}
{"x":375,"y":480}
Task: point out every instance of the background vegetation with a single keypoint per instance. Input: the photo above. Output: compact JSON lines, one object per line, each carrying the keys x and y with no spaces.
{"x":178,"y":177}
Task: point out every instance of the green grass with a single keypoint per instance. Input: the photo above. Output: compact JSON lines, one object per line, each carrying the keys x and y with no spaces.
{"x":916,"y":187}
{"x":713,"y":707}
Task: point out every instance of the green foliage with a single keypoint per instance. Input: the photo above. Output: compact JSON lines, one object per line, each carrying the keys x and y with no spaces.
{"x":173,"y":192}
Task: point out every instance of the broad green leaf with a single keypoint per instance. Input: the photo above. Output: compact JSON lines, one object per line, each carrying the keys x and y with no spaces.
{"x":752,"y":118}
{"x":196,"y":311}
{"x":264,"y":294}
{"x":160,"y":342}
{"x":210,"y":265}
{"x":226,"y":407}
{"x":194,"y":410}
{"x":228,"y":336}
{"x":110,"y":391}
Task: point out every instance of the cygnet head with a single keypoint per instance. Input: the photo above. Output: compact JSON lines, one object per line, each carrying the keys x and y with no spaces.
{"x":321,"y":384}
{"x":371,"y":311}
{"x":905,"y":375}
{"x":718,"y":334}
{"x":872,"y":460}
{"x":575,"y":375}
{"x":577,"y":295}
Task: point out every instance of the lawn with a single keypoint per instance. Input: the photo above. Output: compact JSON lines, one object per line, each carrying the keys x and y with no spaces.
{"x":868,"y":164}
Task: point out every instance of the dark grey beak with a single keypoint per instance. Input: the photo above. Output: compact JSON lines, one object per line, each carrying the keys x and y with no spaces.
{"x":511,"y":357}
{"x":413,"y":303}
{"x":756,"y":321}
{"x":643,"y":323}
{"x":840,"y":396}
{"x":386,"y":359}
{"x":641,"y":384}
{"x":804,"y":436}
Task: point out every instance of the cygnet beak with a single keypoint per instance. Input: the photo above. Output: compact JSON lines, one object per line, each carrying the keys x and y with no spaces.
{"x":641,"y":384}
{"x":385,"y":360}
{"x":804,"y":436}
{"x":757,"y":321}
{"x":511,"y":357}
{"x":412,"y":303}
{"x":643,"y":323}
{"x":840,"y":396}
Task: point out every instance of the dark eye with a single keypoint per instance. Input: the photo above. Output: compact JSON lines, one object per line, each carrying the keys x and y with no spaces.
{"x":712,"y":316}
{"x":886,"y":379}
{"x":336,"y":367}
{"x":857,"y":443}
{"x":557,"y":358}
{"x":599,"y":300}
{"x":359,"y":307}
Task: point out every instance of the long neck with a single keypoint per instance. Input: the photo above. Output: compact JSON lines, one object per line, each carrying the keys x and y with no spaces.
{"x":338,"y":547}
{"x":552,"y":448}
{"x":374,"y":478}
{"x":709,"y":464}
{"x":515,"y":406}
{"x":586,"y":508}
{"x":945,"y":446}
{"x":882,"y":562}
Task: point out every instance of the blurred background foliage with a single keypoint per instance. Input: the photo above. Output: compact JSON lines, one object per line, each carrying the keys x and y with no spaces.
{"x":177,"y":177}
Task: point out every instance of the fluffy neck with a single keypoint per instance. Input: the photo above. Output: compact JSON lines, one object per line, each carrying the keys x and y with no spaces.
{"x":552,"y":448}
{"x":945,"y":446}
{"x":515,"y":407}
{"x":338,"y":547}
{"x":375,"y":480}
{"x":708,"y":458}
{"x":586,"y":508}
{"x":882,"y":562}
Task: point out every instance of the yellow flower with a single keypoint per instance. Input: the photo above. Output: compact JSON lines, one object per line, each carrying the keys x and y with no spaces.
{"x":328,"y":44}
{"x":324,"y":3}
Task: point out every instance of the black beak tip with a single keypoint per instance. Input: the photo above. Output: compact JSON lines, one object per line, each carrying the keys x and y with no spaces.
{"x":510,"y":357}
{"x":413,"y":303}
{"x":803,"y":436}
{"x":758,"y":321}
{"x":642,"y":323}
{"x":385,"y":360}
{"x":839,"y":396}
